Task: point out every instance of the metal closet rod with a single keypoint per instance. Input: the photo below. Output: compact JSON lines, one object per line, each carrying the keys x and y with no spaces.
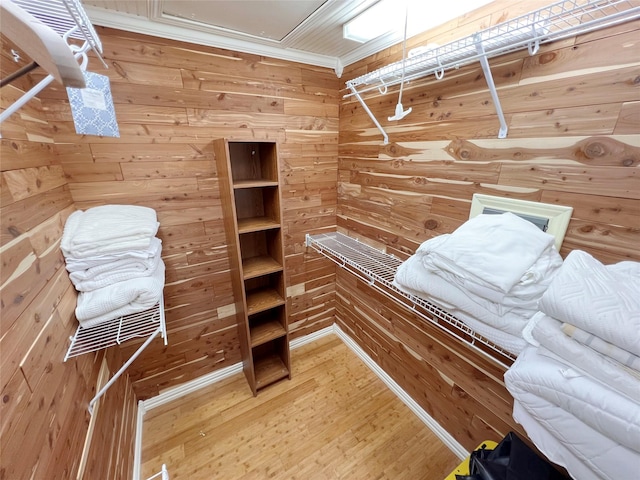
{"x":18,"y":73}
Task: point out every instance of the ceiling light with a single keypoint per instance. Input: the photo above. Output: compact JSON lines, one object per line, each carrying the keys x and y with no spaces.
{"x":373,"y":22}
{"x":388,"y":16}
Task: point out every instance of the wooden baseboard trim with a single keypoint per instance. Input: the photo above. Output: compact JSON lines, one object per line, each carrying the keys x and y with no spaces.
{"x":299,"y":342}
{"x":170,"y":395}
{"x":427,"y":419}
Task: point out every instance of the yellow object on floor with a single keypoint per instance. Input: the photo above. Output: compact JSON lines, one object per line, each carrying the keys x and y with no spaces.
{"x":463,"y":468}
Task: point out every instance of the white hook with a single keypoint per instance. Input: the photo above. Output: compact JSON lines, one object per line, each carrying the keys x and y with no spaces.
{"x":382,"y":89}
{"x":533,"y":47}
{"x":440,"y":72}
{"x":16,"y":55}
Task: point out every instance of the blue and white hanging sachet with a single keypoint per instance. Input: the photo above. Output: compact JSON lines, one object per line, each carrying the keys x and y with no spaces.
{"x":92,"y":107}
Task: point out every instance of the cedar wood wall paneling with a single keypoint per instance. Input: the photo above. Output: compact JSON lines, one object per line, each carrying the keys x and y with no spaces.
{"x":572,"y":112}
{"x":573,"y":140}
{"x":43,"y":412}
{"x":171,"y":100}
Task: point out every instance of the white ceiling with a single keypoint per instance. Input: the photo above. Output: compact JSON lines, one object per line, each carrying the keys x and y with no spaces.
{"x":307,"y":31}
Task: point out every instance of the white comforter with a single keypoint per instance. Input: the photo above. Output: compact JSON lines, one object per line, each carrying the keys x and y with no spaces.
{"x":494,"y":256}
{"x":603,"y":300}
{"x":122,"y":298}
{"x":412,"y":275}
{"x":503,"y":330}
{"x":596,"y":424}
{"x":547,"y":332}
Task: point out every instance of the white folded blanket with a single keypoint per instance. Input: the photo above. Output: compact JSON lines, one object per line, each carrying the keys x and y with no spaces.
{"x":108,"y":229}
{"x":494,"y":252}
{"x":413,"y":277}
{"x":602,"y":300}
{"x":118,"y":271}
{"x":534,"y":377}
{"x":81,"y":264}
{"x":548,"y":333}
{"x":123,"y":298}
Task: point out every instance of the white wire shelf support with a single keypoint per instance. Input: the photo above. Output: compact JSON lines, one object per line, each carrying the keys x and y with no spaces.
{"x":554,"y":22}
{"x":69,"y":20}
{"x":147,"y":324}
{"x":378,"y":269}
{"x":163,"y":474}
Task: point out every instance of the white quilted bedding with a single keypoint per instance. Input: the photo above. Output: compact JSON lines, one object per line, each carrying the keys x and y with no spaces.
{"x":603,"y":300}
{"x":547,"y":332}
{"x":599,"y":427}
{"x":504,"y":330}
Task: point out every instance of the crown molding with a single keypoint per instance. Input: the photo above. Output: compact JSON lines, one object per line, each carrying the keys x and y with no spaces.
{"x":136,"y":24}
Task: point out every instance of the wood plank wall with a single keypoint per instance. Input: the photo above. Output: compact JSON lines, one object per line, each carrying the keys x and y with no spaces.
{"x":572,"y":112}
{"x":43,"y":412}
{"x":171,"y":100}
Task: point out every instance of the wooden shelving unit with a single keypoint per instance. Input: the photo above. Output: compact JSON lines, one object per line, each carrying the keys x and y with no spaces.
{"x":250,"y":194}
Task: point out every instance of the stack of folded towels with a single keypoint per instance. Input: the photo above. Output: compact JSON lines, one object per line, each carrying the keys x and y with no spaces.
{"x":113,"y":259}
{"x":489,"y":273}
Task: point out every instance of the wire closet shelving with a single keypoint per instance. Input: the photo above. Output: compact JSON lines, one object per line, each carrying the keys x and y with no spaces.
{"x":67,"y":19}
{"x":378,"y":270}
{"x":147,"y":324}
{"x":557,"y":21}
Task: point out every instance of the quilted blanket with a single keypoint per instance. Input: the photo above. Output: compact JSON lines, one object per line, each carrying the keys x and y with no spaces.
{"x":602,"y":300}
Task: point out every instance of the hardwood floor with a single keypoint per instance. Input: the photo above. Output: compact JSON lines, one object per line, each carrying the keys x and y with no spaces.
{"x":333,"y":420}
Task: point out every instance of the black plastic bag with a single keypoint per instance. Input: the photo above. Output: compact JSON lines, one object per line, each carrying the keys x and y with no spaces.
{"x":512,"y":459}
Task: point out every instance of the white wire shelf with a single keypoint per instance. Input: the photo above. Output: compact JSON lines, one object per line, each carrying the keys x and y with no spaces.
{"x":378,"y":270}
{"x":147,"y":324}
{"x":557,"y":21}
{"x":117,"y":331}
{"x":66,"y":17}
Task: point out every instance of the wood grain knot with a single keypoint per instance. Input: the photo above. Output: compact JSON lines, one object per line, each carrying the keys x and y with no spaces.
{"x":547,"y":58}
{"x":431,"y":224}
{"x":595,"y":150}
{"x":14,"y":231}
{"x":628,"y":162}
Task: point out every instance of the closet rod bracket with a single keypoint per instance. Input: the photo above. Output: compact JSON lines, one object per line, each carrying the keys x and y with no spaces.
{"x":486,"y":69}
{"x":371,"y":115}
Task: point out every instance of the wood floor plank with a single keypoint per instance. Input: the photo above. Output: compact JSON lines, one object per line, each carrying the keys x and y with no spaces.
{"x":333,"y":420}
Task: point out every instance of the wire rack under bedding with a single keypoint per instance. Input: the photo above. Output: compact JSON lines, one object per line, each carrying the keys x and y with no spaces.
{"x":147,"y":324}
{"x":378,"y":270}
{"x":117,"y":331}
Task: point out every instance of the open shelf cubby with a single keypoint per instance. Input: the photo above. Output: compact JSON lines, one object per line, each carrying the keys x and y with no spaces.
{"x":250,"y":195}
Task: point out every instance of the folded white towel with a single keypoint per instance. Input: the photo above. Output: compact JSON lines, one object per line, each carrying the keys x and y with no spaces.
{"x":108,"y":229}
{"x":74,"y":264}
{"x":492,"y":251}
{"x":123,"y":298}
{"x":118,"y":271}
